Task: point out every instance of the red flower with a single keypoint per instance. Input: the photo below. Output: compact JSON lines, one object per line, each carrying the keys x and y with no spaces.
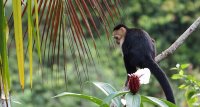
{"x":141,"y":76}
{"x":133,"y":83}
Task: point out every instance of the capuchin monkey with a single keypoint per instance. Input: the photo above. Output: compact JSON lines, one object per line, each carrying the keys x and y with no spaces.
{"x":139,"y":52}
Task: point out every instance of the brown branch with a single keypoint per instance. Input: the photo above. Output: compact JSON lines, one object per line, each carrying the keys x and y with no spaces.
{"x":178,"y":42}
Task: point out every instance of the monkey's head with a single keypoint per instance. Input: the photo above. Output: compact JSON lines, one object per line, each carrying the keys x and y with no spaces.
{"x":119,"y":33}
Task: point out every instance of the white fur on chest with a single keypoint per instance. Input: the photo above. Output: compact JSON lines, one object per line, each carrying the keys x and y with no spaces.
{"x":120,"y":44}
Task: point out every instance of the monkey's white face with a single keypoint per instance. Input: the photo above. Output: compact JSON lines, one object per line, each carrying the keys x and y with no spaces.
{"x":119,"y":35}
{"x":117,"y":39}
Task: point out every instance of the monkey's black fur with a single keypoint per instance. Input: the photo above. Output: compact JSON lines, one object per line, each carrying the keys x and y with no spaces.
{"x":139,"y":51}
{"x":119,"y":26}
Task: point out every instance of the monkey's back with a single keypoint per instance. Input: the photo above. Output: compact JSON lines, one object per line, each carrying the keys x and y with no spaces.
{"x":137,"y":46}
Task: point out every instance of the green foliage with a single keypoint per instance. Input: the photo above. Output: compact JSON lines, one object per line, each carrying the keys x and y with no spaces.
{"x":4,"y":65}
{"x":164,"y":20}
{"x":132,"y":100}
{"x":86,"y":97}
{"x":190,"y":84}
{"x":108,"y":90}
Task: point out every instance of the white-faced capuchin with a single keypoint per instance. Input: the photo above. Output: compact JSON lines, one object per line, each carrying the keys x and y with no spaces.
{"x":139,"y":52}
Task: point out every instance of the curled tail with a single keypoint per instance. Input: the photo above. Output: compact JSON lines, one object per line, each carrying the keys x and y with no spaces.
{"x":162,"y":79}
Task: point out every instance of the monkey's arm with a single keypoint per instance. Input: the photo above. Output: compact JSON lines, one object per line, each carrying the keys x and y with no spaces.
{"x":129,"y":69}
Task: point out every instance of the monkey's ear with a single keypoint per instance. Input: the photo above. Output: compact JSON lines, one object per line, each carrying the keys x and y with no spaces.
{"x":123,"y":29}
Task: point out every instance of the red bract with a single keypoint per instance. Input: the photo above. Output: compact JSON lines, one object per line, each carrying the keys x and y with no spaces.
{"x":134,"y":83}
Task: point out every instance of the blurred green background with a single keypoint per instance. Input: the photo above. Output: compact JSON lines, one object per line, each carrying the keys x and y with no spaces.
{"x":164,"y":20}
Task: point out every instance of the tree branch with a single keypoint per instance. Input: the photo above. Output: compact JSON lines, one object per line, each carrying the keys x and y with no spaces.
{"x":178,"y":42}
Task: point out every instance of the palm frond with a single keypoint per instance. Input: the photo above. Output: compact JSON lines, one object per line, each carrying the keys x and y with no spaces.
{"x":64,"y":25}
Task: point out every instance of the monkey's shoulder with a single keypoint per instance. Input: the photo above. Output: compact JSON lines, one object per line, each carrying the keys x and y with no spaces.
{"x":136,"y":32}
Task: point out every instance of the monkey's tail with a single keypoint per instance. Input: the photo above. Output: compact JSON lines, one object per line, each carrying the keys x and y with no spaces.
{"x":162,"y":79}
